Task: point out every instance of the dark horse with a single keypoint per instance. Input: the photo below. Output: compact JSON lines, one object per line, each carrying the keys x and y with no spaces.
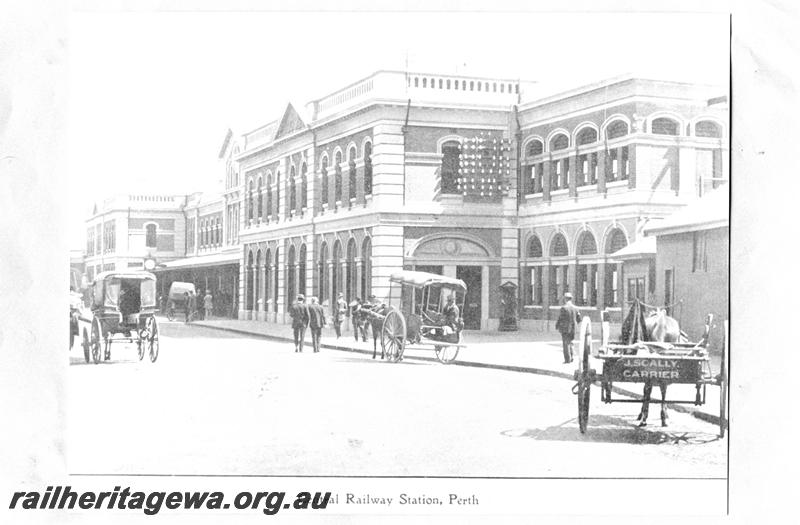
{"x":656,"y":327}
{"x":376,"y":323}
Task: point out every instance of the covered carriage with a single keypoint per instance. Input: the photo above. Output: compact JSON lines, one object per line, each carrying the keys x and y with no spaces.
{"x":426,"y":318}
{"x":122,"y":310}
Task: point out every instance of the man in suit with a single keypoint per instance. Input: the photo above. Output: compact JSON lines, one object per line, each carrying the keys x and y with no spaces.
{"x":451,"y":313}
{"x":568,"y":317}
{"x":316,"y":320}
{"x":339,"y":311}
{"x":299,"y":313}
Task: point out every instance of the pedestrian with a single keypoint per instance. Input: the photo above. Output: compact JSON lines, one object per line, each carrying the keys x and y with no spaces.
{"x":568,"y":317}
{"x":316,"y":320}
{"x":208,"y":304}
{"x":339,"y":311}
{"x":299,"y":313}
{"x":187,"y":303}
{"x":359,"y":318}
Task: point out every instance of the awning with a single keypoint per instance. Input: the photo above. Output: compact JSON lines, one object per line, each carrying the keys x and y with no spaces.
{"x":708,"y":212}
{"x":201,"y":261}
{"x":420,"y":279}
{"x":642,"y":247}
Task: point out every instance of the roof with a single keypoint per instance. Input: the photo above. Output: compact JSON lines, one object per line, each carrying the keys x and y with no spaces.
{"x":642,"y":247}
{"x":420,"y":279}
{"x":128,"y":274}
{"x":214,"y":259}
{"x":711,"y":211}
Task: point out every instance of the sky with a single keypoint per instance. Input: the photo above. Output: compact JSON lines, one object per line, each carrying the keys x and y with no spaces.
{"x":152,"y":95}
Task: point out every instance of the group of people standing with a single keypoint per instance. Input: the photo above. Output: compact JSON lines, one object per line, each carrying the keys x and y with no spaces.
{"x":311,"y":315}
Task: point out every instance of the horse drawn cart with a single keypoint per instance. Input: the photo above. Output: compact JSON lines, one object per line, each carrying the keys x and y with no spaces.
{"x":122,"y":310}
{"x":429,"y":317}
{"x":642,"y":358}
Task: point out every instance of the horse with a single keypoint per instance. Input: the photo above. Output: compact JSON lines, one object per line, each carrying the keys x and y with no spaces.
{"x":376,"y":323}
{"x":659,"y":327}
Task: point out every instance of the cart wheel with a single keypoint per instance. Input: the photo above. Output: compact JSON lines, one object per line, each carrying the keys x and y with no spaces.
{"x":723,"y":383}
{"x":584,"y":378}
{"x":393,"y":336}
{"x":447,"y":354}
{"x":96,"y":340}
{"x":152,"y":339}
{"x":140,"y":345}
{"x":87,"y":346}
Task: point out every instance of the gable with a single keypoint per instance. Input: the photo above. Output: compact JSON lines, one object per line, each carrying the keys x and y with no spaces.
{"x":290,"y":123}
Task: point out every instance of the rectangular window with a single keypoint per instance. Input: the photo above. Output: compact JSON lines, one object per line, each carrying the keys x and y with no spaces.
{"x":699,"y":253}
{"x":668,"y":292}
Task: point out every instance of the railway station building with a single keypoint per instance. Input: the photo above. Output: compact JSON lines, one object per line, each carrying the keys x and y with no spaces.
{"x":498,"y":182}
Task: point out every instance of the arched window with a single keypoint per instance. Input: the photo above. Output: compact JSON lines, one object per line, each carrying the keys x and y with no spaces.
{"x":322,"y":267}
{"x":260,"y":198}
{"x":292,"y":189}
{"x":587,"y":136}
{"x":707,"y":128}
{"x":559,"y":142}
{"x":366,"y":268}
{"x":269,"y":195}
{"x":324,"y":170}
{"x":277,"y":194}
{"x":559,"y":247}
{"x":250,"y":200}
{"x":249,"y":283}
{"x":451,"y":152}
{"x":151,"y":236}
{"x":336,"y":276}
{"x":275,"y":275}
{"x":350,"y":269}
{"x":304,"y":186}
{"x":616,"y":129}
{"x":535,"y":147}
{"x":337,"y":190}
{"x":352,"y":172}
{"x":301,"y":270}
{"x":616,"y":241}
{"x":534,"y":250}
{"x":664,"y":126}
{"x":587,"y":244}
{"x":368,"y":167}
{"x":290,"y":274}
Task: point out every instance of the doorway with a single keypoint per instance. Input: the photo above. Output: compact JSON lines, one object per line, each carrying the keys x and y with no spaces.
{"x":471,"y":275}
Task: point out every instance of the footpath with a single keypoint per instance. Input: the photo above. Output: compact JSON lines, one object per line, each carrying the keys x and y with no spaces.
{"x":521,"y":351}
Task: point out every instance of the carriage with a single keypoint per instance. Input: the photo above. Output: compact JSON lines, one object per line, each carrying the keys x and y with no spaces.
{"x":647,"y":362}
{"x":176,"y":299}
{"x":122,"y":310}
{"x":421,"y":319}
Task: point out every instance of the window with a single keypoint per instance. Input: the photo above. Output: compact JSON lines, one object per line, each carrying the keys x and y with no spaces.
{"x":559,"y":142}
{"x":250,"y":200}
{"x":534,"y":248}
{"x":277,"y":194}
{"x":292,"y":190}
{"x":535,"y":147}
{"x":150,"y":235}
{"x":616,"y":129}
{"x":324,"y":174}
{"x":368,"y":167}
{"x":451,"y":152}
{"x":616,"y":241}
{"x":559,"y":246}
{"x":322,"y":272}
{"x":587,"y":136}
{"x":352,"y":172}
{"x":269,"y":196}
{"x":636,"y":289}
{"x":707,"y":128}
{"x":664,"y":126}
{"x":301,"y":270}
{"x":304,"y":186}
{"x":699,"y":253}
{"x":338,"y":178}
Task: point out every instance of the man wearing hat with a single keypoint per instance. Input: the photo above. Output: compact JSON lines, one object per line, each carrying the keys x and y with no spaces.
{"x":299,"y":313}
{"x":339,"y":311}
{"x":568,"y":318}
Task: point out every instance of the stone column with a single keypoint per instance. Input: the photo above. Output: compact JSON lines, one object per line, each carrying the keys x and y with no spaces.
{"x":546,"y":290}
{"x":572,"y":278}
{"x":602,"y":161}
{"x":360,"y":292}
{"x":546,"y":177}
{"x":601,"y":283}
{"x":575,"y":167}
{"x":632,"y":166}
{"x":590,"y":269}
{"x":331,"y":295}
{"x":273,"y":302}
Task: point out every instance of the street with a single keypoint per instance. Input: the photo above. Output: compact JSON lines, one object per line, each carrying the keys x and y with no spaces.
{"x":220,"y":403}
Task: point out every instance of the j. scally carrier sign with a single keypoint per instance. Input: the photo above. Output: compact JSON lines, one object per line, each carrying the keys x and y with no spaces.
{"x":637,"y":369}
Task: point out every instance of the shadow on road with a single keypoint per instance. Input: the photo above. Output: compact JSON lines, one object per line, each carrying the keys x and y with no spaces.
{"x":368,"y":360}
{"x":181,"y":330}
{"x":608,"y":429}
